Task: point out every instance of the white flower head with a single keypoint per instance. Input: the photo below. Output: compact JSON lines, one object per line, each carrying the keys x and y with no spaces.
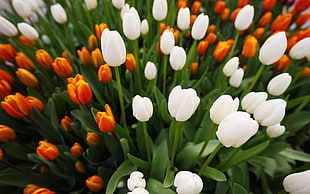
{"x":301,"y":49}
{"x":177,"y":58}
{"x":28,"y":31}
{"x":236,"y":78}
{"x":275,"y":130}
{"x":136,"y":180}
{"x":7,"y":28}
{"x":252,"y":100}
{"x":223,"y":106}
{"x":231,"y":66}
{"x":150,"y":71}
{"x":297,"y":183}
{"x":244,"y":17}
{"x":188,"y":183}
{"x":279,"y":84}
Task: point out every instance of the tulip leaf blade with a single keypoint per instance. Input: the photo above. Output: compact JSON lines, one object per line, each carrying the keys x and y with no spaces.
{"x":160,"y":161}
{"x":169,"y":178}
{"x":214,"y":174}
{"x":16,"y":150}
{"x":295,"y":155}
{"x":156,"y":187}
{"x":139,"y":162}
{"x":238,"y":189}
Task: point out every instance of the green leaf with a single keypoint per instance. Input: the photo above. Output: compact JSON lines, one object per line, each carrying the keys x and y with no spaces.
{"x":214,"y":174}
{"x":275,"y":148}
{"x":115,"y":150}
{"x":85,"y":118}
{"x":238,"y":189}
{"x":123,"y":170}
{"x":160,"y":161}
{"x":295,"y":155}
{"x":155,"y":187}
{"x":139,"y":162}
{"x":16,"y":150}
{"x":168,"y":181}
{"x":162,"y":105}
{"x":269,"y":165}
{"x":300,"y":120}
{"x":240,"y":175}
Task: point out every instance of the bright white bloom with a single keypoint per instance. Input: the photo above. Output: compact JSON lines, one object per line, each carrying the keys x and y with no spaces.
{"x":33,"y":4}
{"x":160,"y":9}
{"x":244,"y":17}
{"x":301,"y":49}
{"x":177,"y":58}
{"x":150,"y":71}
{"x":252,"y":100}
{"x":275,"y":130}
{"x":297,"y":183}
{"x":144,"y":27}
{"x":7,"y":28}
{"x":223,"y":106}
{"x":28,"y":31}
{"x":142,"y":108}
{"x":118,"y":4}
{"x":131,"y":24}
{"x":91,"y":4}
{"x":236,"y":78}
{"x":113,"y":48}
{"x":273,"y":48}
{"x":231,"y":66}
{"x":125,"y":9}
{"x":236,"y":129}
{"x":200,"y":27}
{"x":167,"y":42}
{"x":279,"y":84}
{"x":182,"y":103}
{"x":136,"y":180}
{"x":183,"y":19}
{"x":46,"y":39}
{"x":59,"y":13}
{"x":187,"y":182}
{"x":21,"y":8}
{"x":139,"y":191}
{"x":270,"y":112}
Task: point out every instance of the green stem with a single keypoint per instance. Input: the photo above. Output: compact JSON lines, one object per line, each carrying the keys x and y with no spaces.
{"x":298,"y":109}
{"x":107,"y":12}
{"x":120,"y":96}
{"x":211,"y":156}
{"x":225,"y":164}
{"x":137,"y":57}
{"x":258,"y":73}
{"x":201,"y":78}
{"x":177,"y":134}
{"x":234,"y":45}
{"x":165,"y":74}
{"x":147,"y":143}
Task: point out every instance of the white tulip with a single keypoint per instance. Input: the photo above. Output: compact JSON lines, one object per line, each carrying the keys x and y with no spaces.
{"x":273,"y":48}
{"x":167,"y":42}
{"x":275,"y":130}
{"x":113,"y":48}
{"x":59,"y":14}
{"x":160,"y":9}
{"x":236,"y":78}
{"x":28,"y":31}
{"x":142,"y":108}
{"x":177,"y":58}
{"x":138,"y":191}
{"x":252,"y":100}
{"x":270,"y":112}
{"x":7,"y":28}
{"x":22,"y":8}
{"x":187,"y":182}
{"x":301,"y":49}
{"x":118,"y":4}
{"x":124,"y":10}
{"x":231,"y":66}
{"x":200,"y":27}
{"x":131,"y":24}
{"x":33,"y":4}
{"x":279,"y":84}
{"x":136,"y":180}
{"x":223,"y":106}
{"x":4,"y":6}
{"x":46,"y":39}
{"x":297,"y":183}
{"x":150,"y":71}
{"x":182,"y":103}
{"x":244,"y":17}
{"x":91,"y":4}
{"x":144,"y":27}
{"x":236,"y":129}
{"x":183,"y":19}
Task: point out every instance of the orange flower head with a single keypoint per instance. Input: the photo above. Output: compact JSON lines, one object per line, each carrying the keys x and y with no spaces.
{"x":44,"y":59}
{"x":265,"y":19}
{"x":211,"y":29}
{"x":105,"y":120}
{"x":97,"y":57}
{"x":5,"y":89}
{"x":25,"y":41}
{"x":182,"y":4}
{"x":302,"y":19}
{"x":94,"y":183}
{"x":192,"y":19}
{"x":47,"y":151}
{"x":26,"y":77}
{"x":194,"y":67}
{"x":202,"y":47}
{"x":62,"y":67}
{"x":221,"y":50}
{"x":269,"y":4}
{"x":162,"y":27}
{"x":196,"y":7}
{"x":7,"y":52}
{"x":79,"y":90}
{"x":84,"y":56}
{"x":66,"y":123}
{"x":249,"y":48}
{"x":43,"y":191}
{"x":99,"y":29}
{"x":130,"y":62}
{"x":219,"y":7}
{"x":6,"y":76}
{"x":93,"y":139}
{"x":35,"y":102}
{"x":67,"y":55}
{"x":281,"y":23}
{"x":176,"y":34}
{"x":211,"y":38}
{"x":30,"y":188}
{"x":305,"y":71}
{"x":242,"y":3}
{"x":282,"y":63}
{"x":6,"y":133}
{"x":104,"y":73}
{"x":80,"y":167}
{"x":77,"y":150}
{"x":24,"y":62}
{"x":42,"y":169}
{"x":16,"y":105}
{"x":234,"y":14}
{"x":92,"y":42}
{"x":225,"y":14}
{"x":302,"y":5}
{"x":259,"y":32}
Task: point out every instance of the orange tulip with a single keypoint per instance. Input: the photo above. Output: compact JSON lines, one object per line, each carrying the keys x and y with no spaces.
{"x":104,"y":73}
{"x":66,"y":123}
{"x":7,"y":52}
{"x":80,"y":167}
{"x":258,"y":32}
{"x":94,"y":183}
{"x":99,"y":29}
{"x":281,"y":23}
{"x":130,"y":62}
{"x":6,"y":76}
{"x":162,"y":27}
{"x":26,"y":77}
{"x":30,"y":188}
{"x":44,"y":59}
{"x":305,"y":71}
{"x":35,"y":102}
{"x":196,"y":7}
{"x":105,"y":120}
{"x":77,"y":150}
{"x":42,"y":169}
{"x":269,"y":4}
{"x":225,"y":14}
{"x":211,"y":28}
{"x":234,"y":14}
{"x":194,"y":67}
{"x":249,"y":47}
{"x":6,"y":133}
{"x":67,"y":56}
{"x":221,"y":50}
{"x":219,"y":7}
{"x":242,"y":3}
{"x":92,"y":42}
{"x":202,"y":47}
{"x":5,"y":88}
{"x":282,"y":63}
{"x":182,"y":4}
{"x":43,"y":191}
{"x":47,"y":150}
{"x":211,"y":38}
{"x":25,"y":41}
{"x":302,"y":5}
{"x":302,"y":19}
{"x":62,"y":67}
{"x":78,"y":90}
{"x":84,"y":56}
{"x":16,"y":105}
{"x":93,"y":139}
{"x":97,"y":57}
{"x":265,"y":19}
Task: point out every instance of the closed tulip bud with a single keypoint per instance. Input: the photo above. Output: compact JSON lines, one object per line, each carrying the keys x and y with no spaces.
{"x":182,"y":103}
{"x":22,"y":9}
{"x":236,"y":78}
{"x":234,"y":14}
{"x":7,"y":52}
{"x":279,"y":84}
{"x":42,"y":169}
{"x":36,"y":103}
{"x":6,"y":133}
{"x":275,"y":130}
{"x":221,"y":50}
{"x":177,"y":58}
{"x":28,"y":31}
{"x":76,"y":150}
{"x":231,"y":66}
{"x":30,"y":188}
{"x":273,"y":48}
{"x":94,"y":183}
{"x":118,"y":3}
{"x":105,"y":120}
{"x":225,"y":14}
{"x":144,"y":27}
{"x":24,"y":62}
{"x":66,"y":123}
{"x":302,"y":19}
{"x":136,"y":180}
{"x":5,"y":88}
{"x":202,"y":47}
{"x":79,"y":90}
{"x":269,"y":4}
{"x":281,"y":23}
{"x":242,"y":3}
{"x":142,"y":108}
{"x":183,"y":19}
{"x":150,"y":71}
{"x":265,"y":19}
{"x":194,"y":67}
{"x":92,"y":42}
{"x":93,"y":139}
{"x":211,"y":38}
{"x":58,"y":13}
{"x":80,"y":167}
{"x":43,"y":191}
{"x":47,"y":150}
{"x":97,"y":57}
{"x":236,"y":129}
{"x":104,"y":73}
{"x":249,"y":47}
{"x":301,"y":49}
{"x":297,"y":182}
{"x":130,"y":62}
{"x":244,"y":18}
{"x":252,"y":100}
{"x":16,"y":105}
{"x":219,"y":7}
{"x":270,"y":112}
{"x":7,"y":28}
{"x":99,"y":29}
{"x":187,"y":182}
{"x":196,"y":7}
{"x":46,"y":39}
{"x":6,"y":76}
{"x":91,"y":4}
{"x":124,"y":10}
{"x":160,"y":9}
{"x":200,"y":27}
{"x":44,"y":59}
{"x":282,"y":63}
{"x":223,"y":106}
{"x":62,"y":67}
{"x":113,"y":48}
{"x":259,"y":32}
{"x":131,"y":24}
{"x":305,"y":71}
{"x":84,"y":56}
{"x":167,"y":42}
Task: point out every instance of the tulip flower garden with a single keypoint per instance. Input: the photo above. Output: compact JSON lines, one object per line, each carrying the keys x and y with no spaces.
{"x":155,"y":96}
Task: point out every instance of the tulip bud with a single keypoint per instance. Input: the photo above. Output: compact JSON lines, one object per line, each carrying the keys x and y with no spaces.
{"x":79,"y":90}
{"x":28,"y":31}
{"x":282,"y":63}
{"x":104,"y":73}
{"x":221,"y":50}
{"x":6,"y":133}
{"x":97,"y":57}
{"x":16,"y":105}
{"x":6,"y":76}
{"x":167,"y":42}
{"x":43,"y":191}
{"x":105,"y":120}
{"x":44,"y":59}
{"x":194,"y":67}
{"x":259,"y":32}
{"x":234,"y":14}
{"x":93,"y":139}
{"x":144,"y":27}
{"x":118,"y":3}
{"x":47,"y":150}
{"x":113,"y":48}
{"x":46,"y":39}
{"x":188,"y":182}
{"x":66,"y":123}
{"x":159,"y":9}
{"x":301,"y":49}
{"x":183,"y":19}
{"x":136,"y":180}
{"x":84,"y":56}
{"x":142,"y":108}
{"x":5,"y":88}
{"x":249,"y":47}
{"x":4,"y":6}
{"x":131,"y":24}
{"x":36,"y":103}
{"x":273,"y":48}
{"x":94,"y":183}
{"x":24,"y":62}
{"x":22,"y":9}
{"x":62,"y":67}
{"x":124,"y":10}
{"x":202,"y":47}
{"x":252,"y":100}
{"x":269,"y":4}
{"x":130,"y":62}
{"x":7,"y":28}
{"x":211,"y":38}
{"x":225,"y":14}
{"x":91,"y":4}
{"x":236,"y":78}
{"x":30,"y":188}
{"x":150,"y":71}
{"x":177,"y":58}
{"x":302,"y":19}
{"x":219,"y":7}
{"x":92,"y":42}
{"x":76,"y":150}
{"x":244,"y":18}
{"x":265,"y":19}
{"x":281,"y":23}
{"x":223,"y":106}
{"x":200,"y":27}
{"x":80,"y":167}
{"x":297,"y":182}
{"x":99,"y":29}
{"x":279,"y":84}
{"x":270,"y":112}
{"x":42,"y":169}
{"x":231,"y":66}
{"x":275,"y":130}
{"x":59,"y":14}
{"x":182,"y":103}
